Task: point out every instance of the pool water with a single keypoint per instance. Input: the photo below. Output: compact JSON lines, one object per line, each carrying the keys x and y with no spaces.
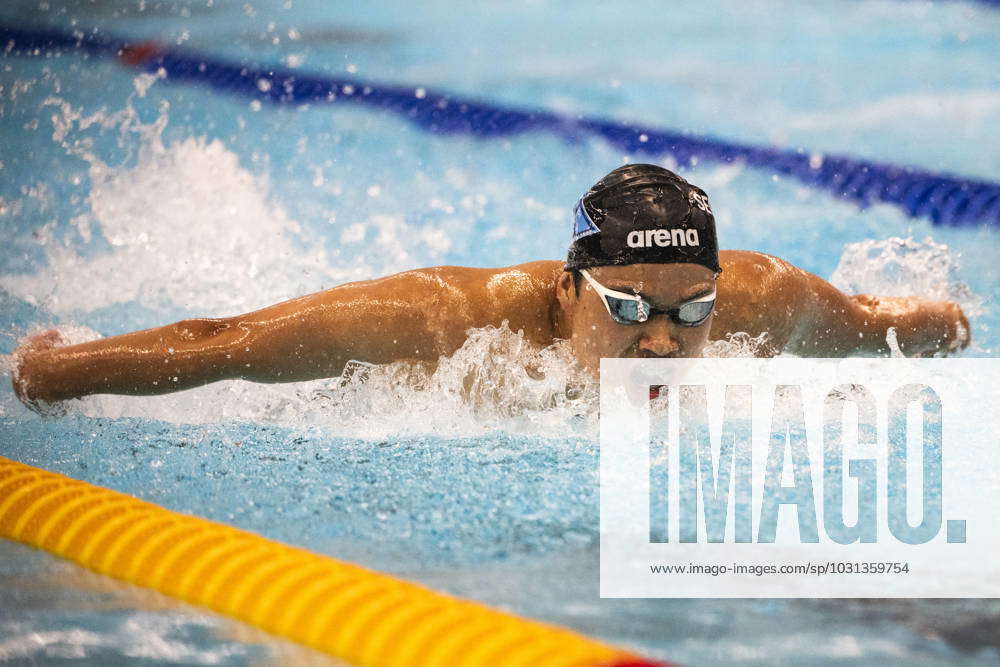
{"x":127,"y":202}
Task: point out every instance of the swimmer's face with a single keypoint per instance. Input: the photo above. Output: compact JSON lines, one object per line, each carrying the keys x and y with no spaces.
{"x":593,"y":334}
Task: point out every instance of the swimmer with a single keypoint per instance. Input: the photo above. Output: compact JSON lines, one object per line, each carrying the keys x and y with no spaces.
{"x":643,"y":278}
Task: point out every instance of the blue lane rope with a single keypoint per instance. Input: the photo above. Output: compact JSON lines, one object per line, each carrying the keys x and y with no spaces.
{"x":945,"y":199}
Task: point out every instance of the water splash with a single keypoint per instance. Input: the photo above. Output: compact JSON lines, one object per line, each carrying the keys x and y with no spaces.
{"x":496,"y":381}
{"x":893,"y":342}
{"x":740,"y":344}
{"x":904,"y":267}
{"x":189,"y":228}
{"x":10,"y":365}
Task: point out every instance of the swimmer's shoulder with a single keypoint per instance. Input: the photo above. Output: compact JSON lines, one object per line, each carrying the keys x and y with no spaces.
{"x":758,"y":294}
{"x":543,"y":272}
{"x":519,"y":293}
{"x":742,"y":260}
{"x":744,"y":270}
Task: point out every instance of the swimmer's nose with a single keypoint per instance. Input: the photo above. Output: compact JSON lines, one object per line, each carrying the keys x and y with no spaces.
{"x":658,"y":340}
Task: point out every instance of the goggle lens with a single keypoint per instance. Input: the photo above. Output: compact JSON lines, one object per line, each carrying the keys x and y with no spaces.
{"x":695,"y":312}
{"x":628,"y":311}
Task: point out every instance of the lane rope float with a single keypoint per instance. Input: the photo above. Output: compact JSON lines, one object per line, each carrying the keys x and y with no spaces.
{"x":945,"y":199}
{"x":356,"y":614}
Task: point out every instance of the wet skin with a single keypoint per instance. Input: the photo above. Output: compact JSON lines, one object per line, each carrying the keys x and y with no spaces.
{"x":424,"y":314}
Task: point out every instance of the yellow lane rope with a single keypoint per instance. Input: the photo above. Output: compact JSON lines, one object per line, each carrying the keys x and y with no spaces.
{"x":355,"y":614}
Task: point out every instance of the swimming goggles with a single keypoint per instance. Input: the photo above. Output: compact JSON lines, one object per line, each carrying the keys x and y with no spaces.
{"x":635,"y":309}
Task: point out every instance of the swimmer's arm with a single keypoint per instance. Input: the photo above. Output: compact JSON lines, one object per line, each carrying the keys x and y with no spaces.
{"x":311,"y":337}
{"x":800,"y":313}
{"x":833,"y":324}
{"x":923,"y":327}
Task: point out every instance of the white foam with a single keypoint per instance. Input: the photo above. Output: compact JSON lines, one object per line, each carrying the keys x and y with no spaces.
{"x":739,"y":344}
{"x":904,"y":267}
{"x":496,"y":381}
{"x":191,"y":228}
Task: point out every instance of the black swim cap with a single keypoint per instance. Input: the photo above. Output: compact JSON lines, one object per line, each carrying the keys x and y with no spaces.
{"x":643,"y":214}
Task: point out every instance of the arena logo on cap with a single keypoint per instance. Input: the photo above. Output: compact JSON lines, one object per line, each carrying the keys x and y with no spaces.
{"x":664,"y":238}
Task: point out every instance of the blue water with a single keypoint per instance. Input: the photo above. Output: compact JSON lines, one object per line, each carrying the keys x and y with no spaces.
{"x":127,"y":203}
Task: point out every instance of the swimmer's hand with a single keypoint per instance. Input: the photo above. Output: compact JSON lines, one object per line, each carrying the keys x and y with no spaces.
{"x":924,"y":328}
{"x":24,"y":358}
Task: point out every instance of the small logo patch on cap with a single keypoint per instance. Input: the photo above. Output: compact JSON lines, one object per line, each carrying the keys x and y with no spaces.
{"x":699,"y":200}
{"x":582,"y":224}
